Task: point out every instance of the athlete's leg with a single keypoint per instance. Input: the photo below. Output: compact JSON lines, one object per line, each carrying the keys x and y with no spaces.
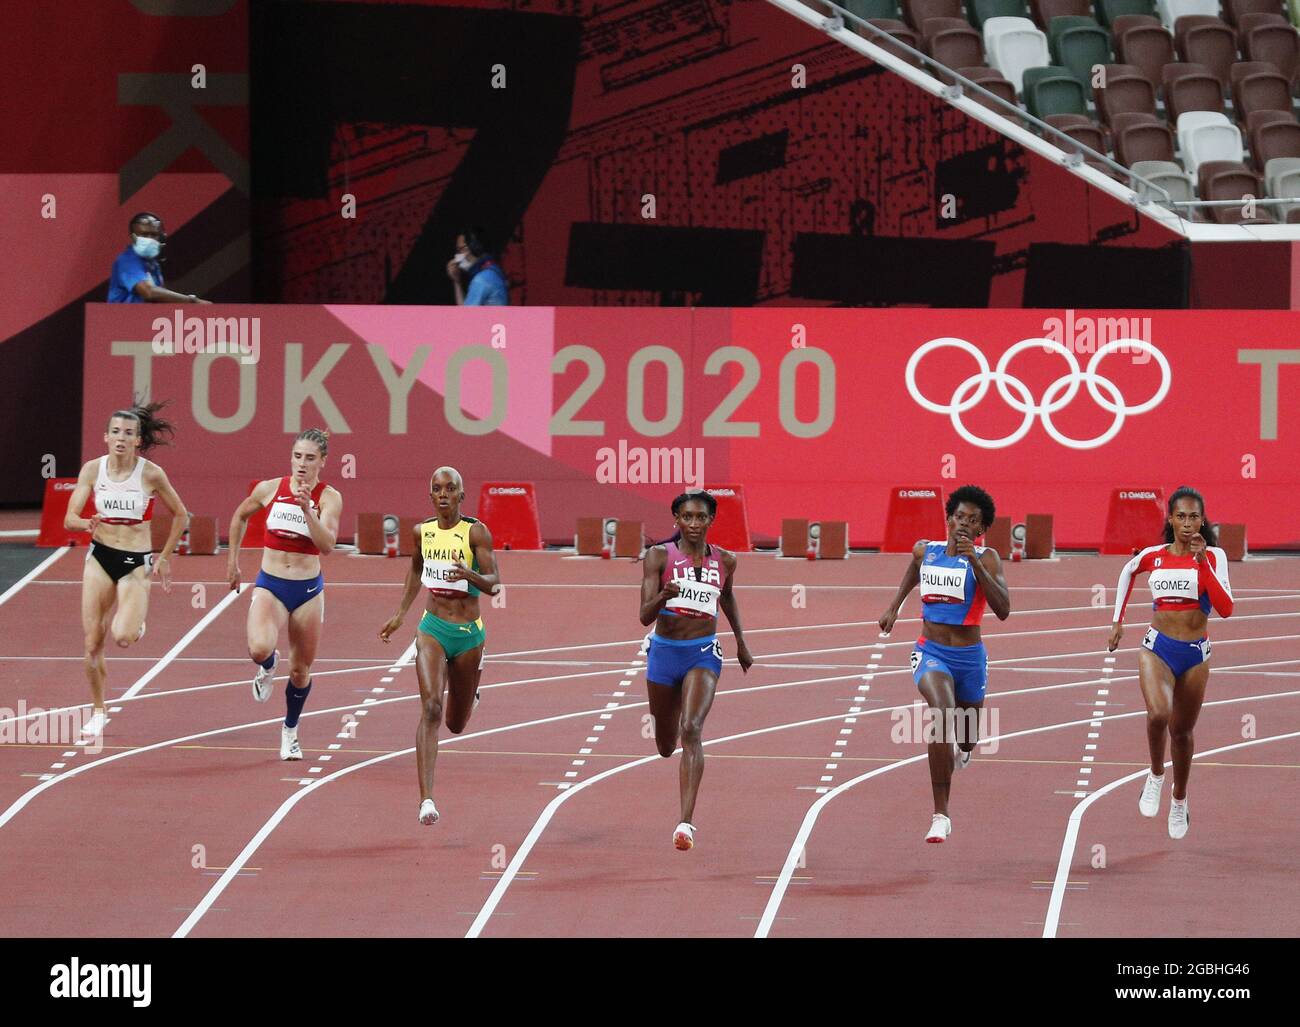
{"x":304,"y":639}
{"x":1189,"y":693}
{"x":937,"y":689}
{"x":696,"y":698}
{"x":97,"y":598}
{"x":1157,"y":682}
{"x":967,"y":723}
{"x":132,"y":606}
{"x":666,"y":712}
{"x":431,"y":672}
{"x":462,"y":683}
{"x":266,"y":616}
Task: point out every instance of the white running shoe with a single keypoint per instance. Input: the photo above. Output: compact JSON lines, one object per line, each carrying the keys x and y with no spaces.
{"x":289,"y":747}
{"x":95,"y":725}
{"x":1178,"y":818}
{"x":428,"y":812}
{"x":684,"y":836}
{"x":1149,"y":804}
{"x":263,"y":680}
{"x":475,"y":706}
{"x":140,"y":633}
{"x":940,"y":828}
{"x":960,"y":758}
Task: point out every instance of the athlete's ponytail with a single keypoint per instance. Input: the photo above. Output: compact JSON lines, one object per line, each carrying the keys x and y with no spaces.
{"x":152,"y":428}
{"x":1207,"y":529}
{"x":317,"y":435}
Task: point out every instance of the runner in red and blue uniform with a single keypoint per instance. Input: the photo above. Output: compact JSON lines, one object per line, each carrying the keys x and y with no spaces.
{"x":958,"y":580}
{"x":686,"y":582}
{"x":1188,"y":576}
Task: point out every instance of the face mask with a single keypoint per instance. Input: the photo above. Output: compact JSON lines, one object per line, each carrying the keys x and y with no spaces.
{"x":145,"y":247}
{"x":465,"y":261}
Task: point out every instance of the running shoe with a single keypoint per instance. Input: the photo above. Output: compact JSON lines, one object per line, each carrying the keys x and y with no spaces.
{"x":428,"y":812}
{"x":684,"y":836}
{"x":940,"y":828}
{"x":289,"y":747}
{"x":140,"y":634}
{"x":95,"y":725}
{"x":1149,"y":804}
{"x":262,"y":681}
{"x":1179,"y":818}
{"x":960,"y":758}
{"x":475,"y":706}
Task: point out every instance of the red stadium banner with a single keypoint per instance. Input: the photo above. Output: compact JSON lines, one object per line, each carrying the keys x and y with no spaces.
{"x":819,"y":413}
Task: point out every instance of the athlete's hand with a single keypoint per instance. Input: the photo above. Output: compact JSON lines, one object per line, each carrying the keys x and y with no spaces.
{"x":671,"y":590}
{"x":303,"y":494}
{"x":232,"y":576}
{"x":1197,"y":544}
{"x":458,"y":573}
{"x":965,"y":547}
{"x":162,"y":570}
{"x":743,"y":658}
{"x":92,"y":523}
{"x":1116,"y":633}
{"x":886,"y":621}
{"x":386,"y":632}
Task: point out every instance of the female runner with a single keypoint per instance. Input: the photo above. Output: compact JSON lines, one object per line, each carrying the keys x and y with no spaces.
{"x":685,"y":583}
{"x":301,"y":524}
{"x":949,"y":663}
{"x":453,"y":559}
{"x":1187,"y":576}
{"x":120,"y":562}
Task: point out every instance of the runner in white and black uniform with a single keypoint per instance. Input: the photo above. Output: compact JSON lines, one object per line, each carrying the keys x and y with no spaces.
{"x":118,"y":567}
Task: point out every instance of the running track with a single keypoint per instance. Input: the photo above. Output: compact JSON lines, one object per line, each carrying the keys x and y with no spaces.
{"x":557,"y":816}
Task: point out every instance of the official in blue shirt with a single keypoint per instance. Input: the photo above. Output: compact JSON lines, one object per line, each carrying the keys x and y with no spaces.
{"x":475,"y":273}
{"x":137,"y":276}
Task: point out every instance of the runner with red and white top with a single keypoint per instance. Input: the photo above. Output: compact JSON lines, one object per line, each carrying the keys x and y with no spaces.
{"x":302,"y":522}
{"x":686,"y":582}
{"x":120,"y":563}
{"x":1188,"y":577}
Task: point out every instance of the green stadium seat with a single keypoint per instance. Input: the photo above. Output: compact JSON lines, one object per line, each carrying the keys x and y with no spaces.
{"x":1079,"y":44}
{"x":1109,"y":10}
{"x":982,"y":10}
{"x":1053,"y":90}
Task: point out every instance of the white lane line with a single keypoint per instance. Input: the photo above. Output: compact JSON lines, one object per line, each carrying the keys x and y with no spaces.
{"x":175,"y":650}
{"x":810,"y":818}
{"x":1052,"y":920}
{"x":18,"y":585}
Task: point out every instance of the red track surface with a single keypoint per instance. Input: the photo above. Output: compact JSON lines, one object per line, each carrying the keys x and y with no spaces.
{"x":108,"y":847}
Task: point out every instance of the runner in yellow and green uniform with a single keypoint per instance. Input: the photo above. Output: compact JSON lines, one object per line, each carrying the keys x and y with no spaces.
{"x":453,"y":560}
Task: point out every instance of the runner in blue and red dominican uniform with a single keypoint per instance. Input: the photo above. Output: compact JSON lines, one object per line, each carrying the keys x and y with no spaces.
{"x":686,"y":581}
{"x":1188,"y":576}
{"x":958,"y":581}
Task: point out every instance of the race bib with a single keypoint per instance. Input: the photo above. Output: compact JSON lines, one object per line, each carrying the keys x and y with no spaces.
{"x":696,"y":599}
{"x":943,"y":584}
{"x":121,"y":507}
{"x":1174,"y":583}
{"x":916,"y":659}
{"x":434,"y":577}
{"x":1149,"y":639}
{"x":287,"y":520}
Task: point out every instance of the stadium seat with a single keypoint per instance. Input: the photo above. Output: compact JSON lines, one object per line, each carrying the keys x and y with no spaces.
{"x":1045,"y":10}
{"x":868,"y":9}
{"x":1148,"y":48}
{"x":1282,"y":181}
{"x":1170,"y":176}
{"x":1169,"y":11}
{"x":1109,"y":10}
{"x":1146,"y":142}
{"x":1079,"y":44}
{"x":1274,"y":140}
{"x":1227,"y":180}
{"x":1053,"y":90}
{"x":1080,"y":128}
{"x":1201,"y":39}
{"x":1234,"y":9}
{"x":1277,"y":44}
{"x":1246,"y":22}
{"x":1293,"y":12}
{"x":1131,"y":21}
{"x":916,"y":12}
{"x":1126,"y":90}
{"x":1014,"y":44}
{"x":953,"y":43}
{"x":1207,"y":136}
{"x":980,"y":11}
{"x":900,"y":32}
{"x":1190,"y":87}
{"x":1127,"y":119}
{"x":993,"y":81}
{"x":1257,"y":119}
{"x":1258,"y":86}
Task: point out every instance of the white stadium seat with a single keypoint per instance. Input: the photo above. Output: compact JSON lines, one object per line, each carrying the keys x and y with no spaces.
{"x":1207,"y":135}
{"x":1014,"y":44}
{"x":1171,"y":10}
{"x":1169,"y":176}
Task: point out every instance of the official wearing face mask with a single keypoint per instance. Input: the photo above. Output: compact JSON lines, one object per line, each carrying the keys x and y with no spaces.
{"x":475,"y":273}
{"x":137,"y":274}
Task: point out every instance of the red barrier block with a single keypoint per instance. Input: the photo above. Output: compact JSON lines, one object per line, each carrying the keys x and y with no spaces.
{"x":589,"y":539}
{"x":915,"y":512}
{"x":509,"y":509}
{"x":406,"y":533}
{"x":833,"y":541}
{"x":54,"y":508}
{"x":998,"y":537}
{"x":730,"y":528}
{"x":629,"y":539}
{"x":1135,"y":520}
{"x":370,"y":534}
{"x":255,"y":531}
{"x":1040,"y":538}
{"x":1232,"y":540}
{"x":794,"y":538}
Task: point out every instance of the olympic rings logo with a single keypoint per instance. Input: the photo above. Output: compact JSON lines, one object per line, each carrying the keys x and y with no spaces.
{"x":1058,"y":395}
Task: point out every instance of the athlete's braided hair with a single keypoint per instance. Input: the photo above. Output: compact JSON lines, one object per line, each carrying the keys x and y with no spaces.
{"x":1207,"y":529}
{"x":152,"y":427}
{"x":317,"y":435}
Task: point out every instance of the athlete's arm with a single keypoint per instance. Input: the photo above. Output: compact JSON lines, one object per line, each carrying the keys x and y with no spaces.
{"x":324,"y":528}
{"x":258,"y":498}
{"x":911,"y":578}
{"x":1212,"y":570}
{"x":988,"y":572}
{"x":1131,"y":569}
{"x":155,"y":478}
{"x":72,"y":520}
{"x":727,"y":604}
{"x":412,"y":585}
{"x":654,"y":598}
{"x":486,"y":578}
